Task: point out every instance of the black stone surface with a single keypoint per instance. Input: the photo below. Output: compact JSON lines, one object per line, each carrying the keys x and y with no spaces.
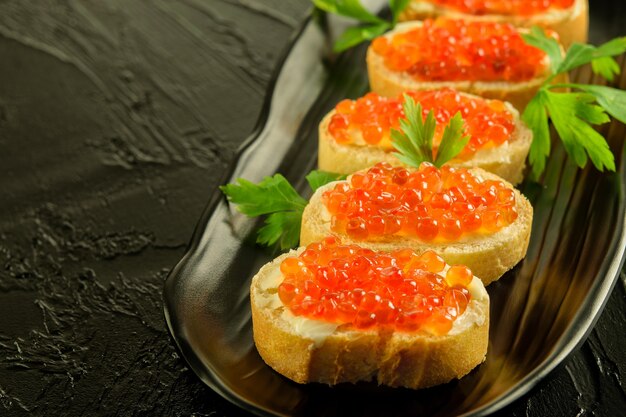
{"x":117,"y":119}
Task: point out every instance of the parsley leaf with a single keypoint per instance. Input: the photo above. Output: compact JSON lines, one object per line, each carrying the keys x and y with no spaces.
{"x":612,"y":100}
{"x":282,"y":229}
{"x":271,"y":195}
{"x":574,"y":113}
{"x":355,"y":35}
{"x":372,"y":27}
{"x":348,"y":8}
{"x":536,"y":117}
{"x":580,"y":54}
{"x":453,"y":141}
{"x":414,"y":142}
{"x":538,"y":38}
{"x":318,"y":178}
{"x":397,"y":6}
{"x":275,"y":197}
{"x":605,"y":66}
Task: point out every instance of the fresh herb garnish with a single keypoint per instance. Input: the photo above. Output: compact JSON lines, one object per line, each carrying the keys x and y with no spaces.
{"x":317,"y":178}
{"x":279,"y":201}
{"x":574,"y":112}
{"x":275,"y":198}
{"x":414,"y":142}
{"x":371,"y":25}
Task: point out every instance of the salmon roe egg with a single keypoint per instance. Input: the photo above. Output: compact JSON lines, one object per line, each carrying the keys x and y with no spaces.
{"x":369,"y":119}
{"x":504,"y":7}
{"x":455,"y":50}
{"x":356,"y":286}
{"x":428,"y":204}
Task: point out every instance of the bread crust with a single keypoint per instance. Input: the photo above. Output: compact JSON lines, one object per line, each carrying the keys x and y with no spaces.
{"x":571,"y":24}
{"x":488,"y":256}
{"x":412,"y":360}
{"x":507,"y":161}
{"x":391,"y":84}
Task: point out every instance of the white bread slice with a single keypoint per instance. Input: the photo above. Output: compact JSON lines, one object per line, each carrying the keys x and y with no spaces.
{"x":489,"y":256}
{"x":571,"y":24}
{"x":306,"y":350}
{"x":391,"y":83}
{"x":507,"y":160}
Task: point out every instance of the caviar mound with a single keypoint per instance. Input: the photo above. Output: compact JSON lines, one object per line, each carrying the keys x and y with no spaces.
{"x":311,"y":350}
{"x":504,"y":7}
{"x":568,"y":18}
{"x":492,"y":62}
{"x":428,"y":204}
{"x":370,"y":119}
{"x":455,"y":50}
{"x":342,"y":146}
{"x":486,"y":226}
{"x":354,"y":286}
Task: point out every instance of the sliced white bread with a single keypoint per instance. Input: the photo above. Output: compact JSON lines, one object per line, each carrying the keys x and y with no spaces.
{"x":307,"y":350}
{"x":506,"y":161}
{"x":571,"y":24}
{"x":489,"y":256}
{"x":392,"y":83}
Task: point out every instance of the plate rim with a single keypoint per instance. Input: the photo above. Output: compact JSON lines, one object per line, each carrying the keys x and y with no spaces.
{"x":571,"y":339}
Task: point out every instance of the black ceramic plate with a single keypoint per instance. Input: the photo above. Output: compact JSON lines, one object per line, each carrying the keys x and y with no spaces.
{"x":541,"y":310}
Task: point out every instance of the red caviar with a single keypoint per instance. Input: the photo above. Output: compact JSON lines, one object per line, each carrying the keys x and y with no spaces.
{"x":429,"y":204}
{"x":504,"y":7}
{"x":488,"y":122}
{"x":455,"y":50}
{"x":347,"y":284}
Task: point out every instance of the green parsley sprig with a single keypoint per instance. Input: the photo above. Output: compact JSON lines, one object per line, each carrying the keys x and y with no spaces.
{"x":275,"y":198}
{"x":414,"y":142}
{"x":574,"y":112}
{"x":371,"y":26}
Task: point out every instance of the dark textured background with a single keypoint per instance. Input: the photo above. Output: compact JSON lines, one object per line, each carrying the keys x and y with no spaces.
{"x":117,"y":120}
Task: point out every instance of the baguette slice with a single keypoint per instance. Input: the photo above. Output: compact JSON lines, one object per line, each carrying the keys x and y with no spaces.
{"x":489,"y":256}
{"x":306,"y":350}
{"x":571,"y":24}
{"x":507,"y":160}
{"x":391,"y":83}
